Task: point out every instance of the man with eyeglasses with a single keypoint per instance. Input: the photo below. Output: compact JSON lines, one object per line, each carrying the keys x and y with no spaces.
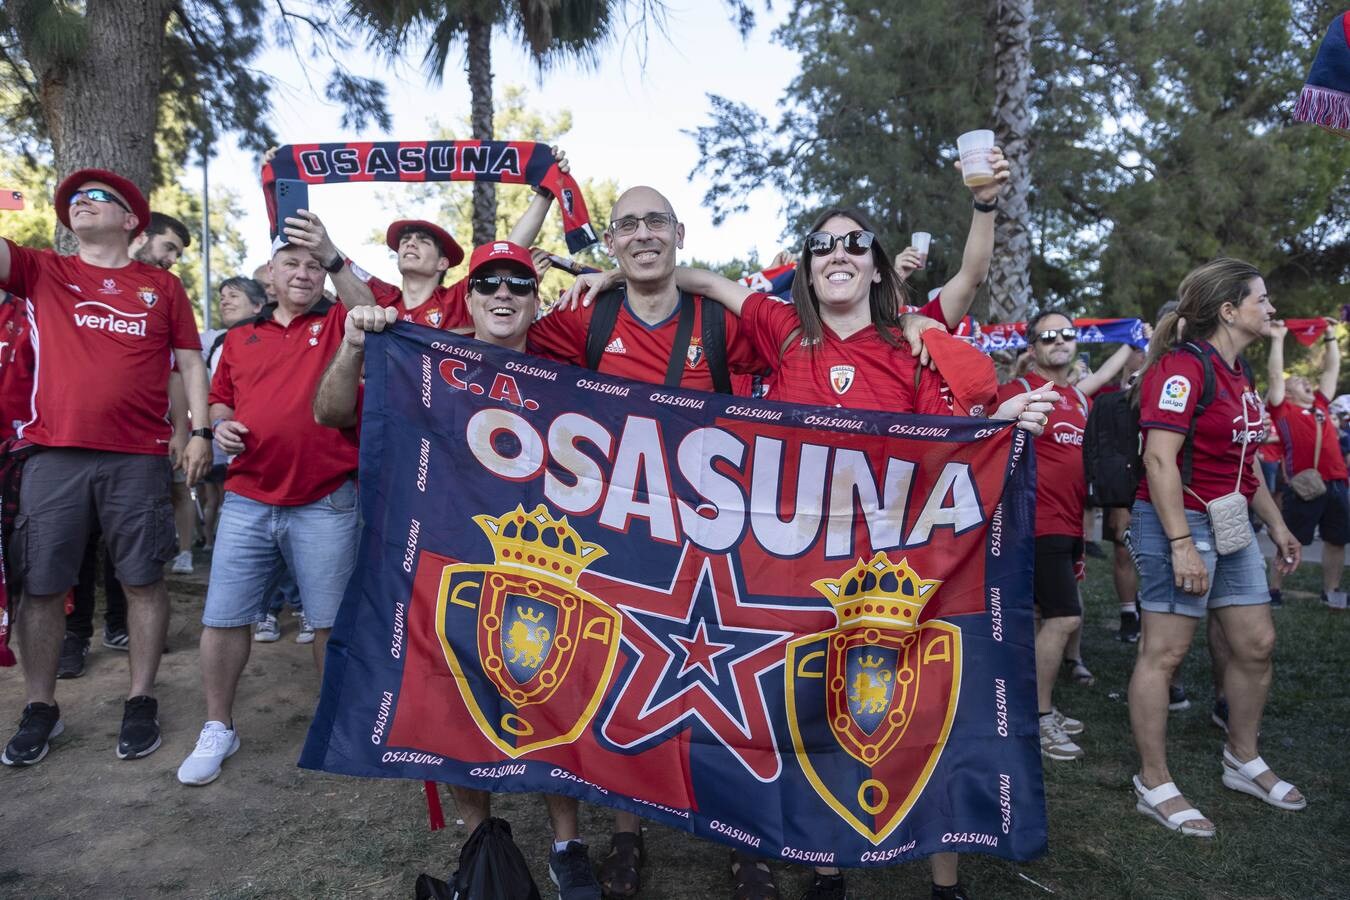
{"x":290,"y":490}
{"x":425,"y":253}
{"x":103,"y":326}
{"x":503,"y":300}
{"x":646,"y":329}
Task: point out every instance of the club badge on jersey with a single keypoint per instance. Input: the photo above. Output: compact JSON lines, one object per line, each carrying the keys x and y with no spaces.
{"x":841,"y":379}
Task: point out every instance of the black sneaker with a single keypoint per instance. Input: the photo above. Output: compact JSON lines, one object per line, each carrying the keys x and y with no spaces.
{"x":827,"y":887}
{"x":1129,"y":628}
{"x":571,"y":871}
{"x":1277,"y":597}
{"x":140,"y":728}
{"x":116,"y":640}
{"x":1220,"y":714}
{"x":1176,"y":698}
{"x":73,"y":651}
{"x":950,"y":892}
{"x":40,"y":723}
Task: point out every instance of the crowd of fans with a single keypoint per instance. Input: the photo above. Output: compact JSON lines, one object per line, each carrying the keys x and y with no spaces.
{"x":132,"y":439}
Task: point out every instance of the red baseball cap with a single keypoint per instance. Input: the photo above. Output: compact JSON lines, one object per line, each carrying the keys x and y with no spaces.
{"x":968,"y":373}
{"x":500,"y":252}
{"x":452,"y":250}
{"x":128,"y":191}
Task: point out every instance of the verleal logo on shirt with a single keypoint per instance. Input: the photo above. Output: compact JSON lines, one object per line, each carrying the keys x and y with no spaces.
{"x":114,"y":320}
{"x":1175,"y":390}
{"x":434,"y":317}
{"x":841,"y":378}
{"x":148,"y":297}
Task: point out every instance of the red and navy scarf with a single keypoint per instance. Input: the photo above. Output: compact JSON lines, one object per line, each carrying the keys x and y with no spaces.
{"x":505,"y":162}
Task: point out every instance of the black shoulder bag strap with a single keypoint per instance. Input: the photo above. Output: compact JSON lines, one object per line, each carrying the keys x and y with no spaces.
{"x":715,"y":344}
{"x":679,"y":350}
{"x":606,"y":313}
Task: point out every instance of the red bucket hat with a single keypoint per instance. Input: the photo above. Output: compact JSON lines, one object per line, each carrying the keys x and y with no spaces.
{"x":449,"y":247}
{"x":129,"y":192}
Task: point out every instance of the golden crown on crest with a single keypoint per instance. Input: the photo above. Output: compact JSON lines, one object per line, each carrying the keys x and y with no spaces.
{"x":879,"y":592}
{"x":535,"y":540}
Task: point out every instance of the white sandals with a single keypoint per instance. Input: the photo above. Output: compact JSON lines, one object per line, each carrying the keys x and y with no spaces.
{"x":1151,"y":799}
{"x":1240,"y":776}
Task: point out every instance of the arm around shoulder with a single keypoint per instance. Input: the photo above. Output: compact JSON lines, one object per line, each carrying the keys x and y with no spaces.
{"x":730,"y":294}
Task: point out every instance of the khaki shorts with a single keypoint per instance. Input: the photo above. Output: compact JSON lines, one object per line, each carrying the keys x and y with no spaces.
{"x":67,"y":491}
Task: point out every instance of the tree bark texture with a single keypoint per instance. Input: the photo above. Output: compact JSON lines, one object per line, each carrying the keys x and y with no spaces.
{"x":1010,"y":273}
{"x":480,"y":120}
{"x":100,"y":104}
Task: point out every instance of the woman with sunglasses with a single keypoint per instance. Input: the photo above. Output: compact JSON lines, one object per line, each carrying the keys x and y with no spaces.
{"x":1195,"y":465}
{"x":842,"y":342}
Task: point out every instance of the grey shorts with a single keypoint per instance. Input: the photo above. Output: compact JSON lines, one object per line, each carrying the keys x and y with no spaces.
{"x":67,"y":491}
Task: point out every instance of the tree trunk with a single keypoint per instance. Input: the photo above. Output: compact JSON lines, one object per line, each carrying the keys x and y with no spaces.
{"x":100,"y":103}
{"x":480,"y":121}
{"x":1010,"y":273}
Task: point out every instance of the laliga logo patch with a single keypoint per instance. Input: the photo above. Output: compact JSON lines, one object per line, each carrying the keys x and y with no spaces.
{"x":1175,"y":390}
{"x":148,"y":297}
{"x":109,"y":287}
{"x":841,"y":378}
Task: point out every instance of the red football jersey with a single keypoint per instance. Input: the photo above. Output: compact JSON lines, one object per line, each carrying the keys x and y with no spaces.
{"x":446,"y":308}
{"x":1232,"y":420}
{"x":102,"y":340}
{"x":268,"y":374}
{"x":861,"y":371}
{"x":933,"y":310}
{"x":1061,"y":487}
{"x":1297,"y":428}
{"x":640,"y":351}
{"x":16,"y":365}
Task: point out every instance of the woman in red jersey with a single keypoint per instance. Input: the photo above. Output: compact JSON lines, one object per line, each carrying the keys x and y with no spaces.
{"x":1190,"y":462}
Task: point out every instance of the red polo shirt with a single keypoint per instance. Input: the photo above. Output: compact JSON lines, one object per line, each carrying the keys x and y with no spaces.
{"x":1297,"y":428}
{"x":268,"y":374}
{"x":640,"y":351}
{"x":860,"y":371}
{"x":446,"y":308}
{"x":101,"y":340}
{"x":1061,"y":488}
{"x":16,"y":366}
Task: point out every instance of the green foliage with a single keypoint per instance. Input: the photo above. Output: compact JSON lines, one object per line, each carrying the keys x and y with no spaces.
{"x":1162,"y":138}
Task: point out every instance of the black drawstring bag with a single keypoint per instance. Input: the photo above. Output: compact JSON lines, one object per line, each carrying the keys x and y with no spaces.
{"x":491,"y":867}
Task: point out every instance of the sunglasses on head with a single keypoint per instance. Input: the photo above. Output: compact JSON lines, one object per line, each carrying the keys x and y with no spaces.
{"x":1068,"y":334}
{"x":98,"y":195}
{"x":487,"y":284}
{"x":856,"y":243}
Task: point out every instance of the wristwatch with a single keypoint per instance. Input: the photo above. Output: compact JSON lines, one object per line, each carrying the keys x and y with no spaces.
{"x":985,"y":207}
{"x":336,"y":265}
{"x":202,"y":433}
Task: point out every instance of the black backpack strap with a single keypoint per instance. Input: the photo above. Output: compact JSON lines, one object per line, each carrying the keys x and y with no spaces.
{"x":714,"y":317}
{"x":1206,"y":398}
{"x":679,"y":349}
{"x":605,"y":314}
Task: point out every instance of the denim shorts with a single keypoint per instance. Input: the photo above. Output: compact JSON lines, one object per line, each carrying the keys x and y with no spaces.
{"x":1238,"y":579}
{"x":257,"y":543}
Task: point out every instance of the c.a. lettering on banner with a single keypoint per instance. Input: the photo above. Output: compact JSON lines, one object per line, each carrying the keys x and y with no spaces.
{"x":668,"y":602}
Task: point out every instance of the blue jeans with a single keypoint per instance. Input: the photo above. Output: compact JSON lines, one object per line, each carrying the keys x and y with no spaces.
{"x":257,"y":544}
{"x":1238,"y":579}
{"x":286,"y":594}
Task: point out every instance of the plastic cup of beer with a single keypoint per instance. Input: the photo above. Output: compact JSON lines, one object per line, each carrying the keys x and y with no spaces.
{"x":920,"y":241}
{"x":974,"y":147}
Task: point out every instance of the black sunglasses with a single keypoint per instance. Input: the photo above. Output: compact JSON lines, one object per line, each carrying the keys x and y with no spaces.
{"x":98,"y":195}
{"x":1069,"y":334}
{"x":487,"y":284}
{"x":856,"y":243}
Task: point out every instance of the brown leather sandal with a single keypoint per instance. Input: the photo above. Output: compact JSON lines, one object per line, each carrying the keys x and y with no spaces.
{"x":620,"y":871}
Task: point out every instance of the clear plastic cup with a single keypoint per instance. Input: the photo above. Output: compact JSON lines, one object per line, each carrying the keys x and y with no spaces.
{"x":974,"y":147}
{"x":921,"y":240}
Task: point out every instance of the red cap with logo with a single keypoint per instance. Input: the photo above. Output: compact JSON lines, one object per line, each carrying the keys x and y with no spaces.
{"x":449,"y":247}
{"x":123,"y":186}
{"x":502,"y":252}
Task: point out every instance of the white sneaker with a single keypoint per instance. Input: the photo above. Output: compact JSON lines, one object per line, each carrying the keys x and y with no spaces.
{"x":182,"y":563}
{"x":1055,"y":744}
{"x":306,"y":635}
{"x":1070,"y":726}
{"x":268,"y":630}
{"x":215,"y":744}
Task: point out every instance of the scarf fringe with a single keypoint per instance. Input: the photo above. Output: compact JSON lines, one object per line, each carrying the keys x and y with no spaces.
{"x":1324,"y":106}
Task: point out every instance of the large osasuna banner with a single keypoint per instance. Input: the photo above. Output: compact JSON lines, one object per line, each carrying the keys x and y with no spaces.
{"x":803,"y":632}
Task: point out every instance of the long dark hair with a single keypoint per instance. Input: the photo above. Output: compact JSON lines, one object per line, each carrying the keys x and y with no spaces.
{"x":885,"y":297}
